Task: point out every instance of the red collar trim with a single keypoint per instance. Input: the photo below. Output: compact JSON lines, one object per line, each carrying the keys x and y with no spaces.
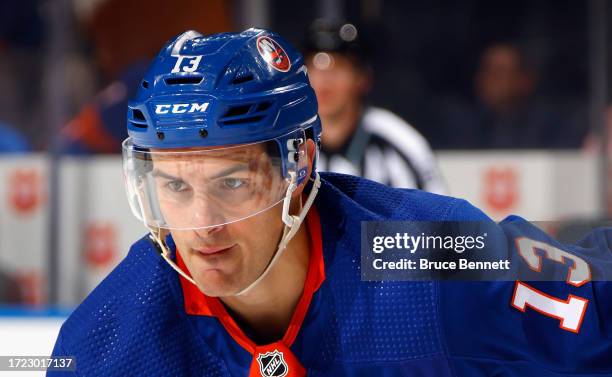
{"x":197,"y":303}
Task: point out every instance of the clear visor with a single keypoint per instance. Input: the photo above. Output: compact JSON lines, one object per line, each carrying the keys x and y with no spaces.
{"x":209,"y":187}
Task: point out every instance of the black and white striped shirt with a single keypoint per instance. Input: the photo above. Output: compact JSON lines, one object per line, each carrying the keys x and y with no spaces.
{"x":386,"y":149}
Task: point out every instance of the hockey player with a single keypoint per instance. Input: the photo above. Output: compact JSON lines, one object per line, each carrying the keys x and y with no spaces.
{"x":220,"y":167}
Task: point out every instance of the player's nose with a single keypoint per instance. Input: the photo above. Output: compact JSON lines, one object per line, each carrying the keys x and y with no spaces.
{"x":206,"y":213}
{"x":204,"y":233}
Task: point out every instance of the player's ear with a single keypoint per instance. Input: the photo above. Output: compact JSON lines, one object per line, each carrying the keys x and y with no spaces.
{"x":310,"y":154}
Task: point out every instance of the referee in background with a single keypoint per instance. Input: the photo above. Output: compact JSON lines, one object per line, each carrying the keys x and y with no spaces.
{"x":357,"y":138}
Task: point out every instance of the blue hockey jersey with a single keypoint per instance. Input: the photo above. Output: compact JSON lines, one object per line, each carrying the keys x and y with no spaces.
{"x":142,"y":320}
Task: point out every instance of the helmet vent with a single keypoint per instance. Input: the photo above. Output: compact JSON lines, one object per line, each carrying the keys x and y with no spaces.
{"x":263,"y":106}
{"x":251,"y":119}
{"x":138,"y":115}
{"x":138,"y":125}
{"x":183,"y":80}
{"x":237,"y":111}
{"x":242,"y":79}
{"x":246,"y":113}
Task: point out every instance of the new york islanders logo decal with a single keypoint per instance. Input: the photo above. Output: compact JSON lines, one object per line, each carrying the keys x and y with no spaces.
{"x":272,"y":364}
{"x":273,"y":54}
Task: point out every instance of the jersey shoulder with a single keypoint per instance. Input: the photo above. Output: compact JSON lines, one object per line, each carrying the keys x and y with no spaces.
{"x":364,"y":199}
{"x":130,"y":313}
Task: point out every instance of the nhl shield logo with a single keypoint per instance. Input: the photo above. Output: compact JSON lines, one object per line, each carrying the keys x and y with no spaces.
{"x":272,"y":364}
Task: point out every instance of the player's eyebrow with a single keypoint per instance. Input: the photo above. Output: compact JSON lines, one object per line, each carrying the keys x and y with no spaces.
{"x":163,"y":174}
{"x":230,"y":170}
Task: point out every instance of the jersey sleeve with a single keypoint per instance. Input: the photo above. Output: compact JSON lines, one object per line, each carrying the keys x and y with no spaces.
{"x":536,"y":327}
{"x":59,"y":352}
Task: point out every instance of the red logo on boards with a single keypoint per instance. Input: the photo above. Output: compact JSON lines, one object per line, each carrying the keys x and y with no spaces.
{"x":501,"y":188}
{"x":273,"y":54}
{"x":25,"y":190}
{"x":100,"y":244}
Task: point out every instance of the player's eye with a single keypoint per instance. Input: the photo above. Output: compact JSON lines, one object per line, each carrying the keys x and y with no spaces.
{"x":233,"y":183}
{"x":177,"y":185}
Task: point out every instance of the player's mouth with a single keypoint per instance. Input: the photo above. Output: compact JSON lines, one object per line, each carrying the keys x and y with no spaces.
{"x":213,"y":250}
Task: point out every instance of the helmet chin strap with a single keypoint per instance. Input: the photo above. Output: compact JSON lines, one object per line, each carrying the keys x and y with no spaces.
{"x":156,"y":234}
{"x":292,"y":225}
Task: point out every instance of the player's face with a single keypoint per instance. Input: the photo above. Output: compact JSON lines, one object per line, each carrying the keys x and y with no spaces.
{"x":226,"y":259}
{"x":336,"y":81}
{"x":222,"y":259}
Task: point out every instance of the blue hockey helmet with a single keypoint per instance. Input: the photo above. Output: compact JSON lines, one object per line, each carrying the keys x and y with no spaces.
{"x":222,"y":89}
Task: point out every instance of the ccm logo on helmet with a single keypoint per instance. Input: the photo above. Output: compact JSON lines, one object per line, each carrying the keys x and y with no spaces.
{"x":273,"y":54}
{"x":181,"y":108}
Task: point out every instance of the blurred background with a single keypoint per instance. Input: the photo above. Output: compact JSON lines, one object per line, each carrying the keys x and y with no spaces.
{"x":511,"y":96}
